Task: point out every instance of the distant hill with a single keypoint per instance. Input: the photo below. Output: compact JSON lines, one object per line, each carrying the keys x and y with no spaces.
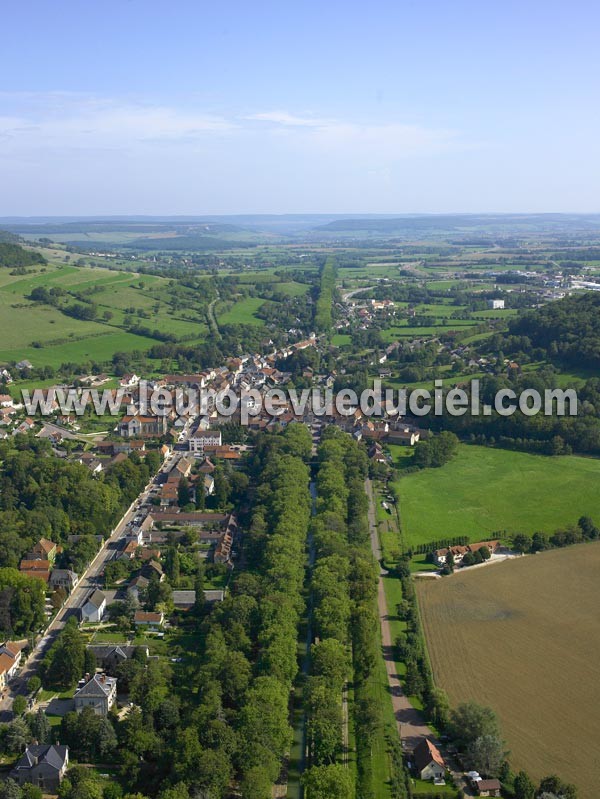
{"x":195,"y":232}
{"x":271,"y":224}
{"x":193,"y":241}
{"x":415,"y":225}
{"x":102,"y":226}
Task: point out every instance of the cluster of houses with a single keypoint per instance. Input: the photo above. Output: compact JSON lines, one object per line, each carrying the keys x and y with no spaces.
{"x":218,"y":530}
{"x":45,"y":765}
{"x":94,"y":605}
{"x":200,"y":480}
{"x":365,"y":312}
{"x":202,"y":433}
{"x":39,"y":563}
{"x":459,"y":552}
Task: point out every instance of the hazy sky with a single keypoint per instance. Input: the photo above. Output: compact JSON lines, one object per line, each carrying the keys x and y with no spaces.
{"x":189,"y":107}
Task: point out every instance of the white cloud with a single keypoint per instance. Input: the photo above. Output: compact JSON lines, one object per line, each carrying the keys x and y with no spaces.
{"x":31,"y":123}
{"x":63,"y":120}
{"x":379,"y":140}
{"x":287,"y":119}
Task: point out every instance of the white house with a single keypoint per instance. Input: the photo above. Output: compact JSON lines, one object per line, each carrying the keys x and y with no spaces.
{"x":129,"y":380}
{"x":429,"y":763}
{"x":93,"y":608}
{"x":202,"y":439}
{"x":496,"y":305}
{"x":152,"y":621}
{"x":209,"y":485}
{"x":99,"y":693}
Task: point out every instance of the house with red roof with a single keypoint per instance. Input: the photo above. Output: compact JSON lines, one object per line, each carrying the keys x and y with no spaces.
{"x":429,"y":763}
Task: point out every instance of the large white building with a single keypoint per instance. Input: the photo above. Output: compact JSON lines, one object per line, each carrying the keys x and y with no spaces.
{"x":203,"y":439}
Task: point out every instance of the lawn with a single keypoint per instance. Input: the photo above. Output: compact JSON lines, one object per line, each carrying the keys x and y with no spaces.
{"x":415,"y":331}
{"x":242,"y":312}
{"x":110,"y":637}
{"x":341,"y":340}
{"x":524,"y":638}
{"x":292,"y":289}
{"x":376,"y":689}
{"x":486,"y":491}
{"x":156,"y":646}
{"x":393,"y":596}
{"x":424,"y":787}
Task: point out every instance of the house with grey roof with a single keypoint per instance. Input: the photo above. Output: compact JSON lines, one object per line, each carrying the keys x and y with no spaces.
{"x":137,"y":586}
{"x":42,"y":765}
{"x":110,"y":656}
{"x":93,"y":608}
{"x":63,"y":578}
{"x":186,"y":599}
{"x":99,"y":693}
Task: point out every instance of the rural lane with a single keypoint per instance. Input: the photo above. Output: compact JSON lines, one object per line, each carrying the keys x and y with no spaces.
{"x":411,"y":727}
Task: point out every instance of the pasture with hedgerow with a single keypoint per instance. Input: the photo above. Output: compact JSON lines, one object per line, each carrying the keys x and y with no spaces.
{"x":487,"y":492}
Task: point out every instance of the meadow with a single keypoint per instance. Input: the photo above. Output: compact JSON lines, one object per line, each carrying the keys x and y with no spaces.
{"x":25,"y":325}
{"x":98,"y":347}
{"x":486,"y":491}
{"x":524,"y":638}
{"x":241,"y":312}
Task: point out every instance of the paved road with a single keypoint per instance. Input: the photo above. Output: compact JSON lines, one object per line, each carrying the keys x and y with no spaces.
{"x":89,"y":580}
{"x":347,"y":295}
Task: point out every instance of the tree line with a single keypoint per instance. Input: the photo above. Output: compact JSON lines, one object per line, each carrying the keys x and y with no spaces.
{"x":344,"y":590}
{"x":326,"y":292}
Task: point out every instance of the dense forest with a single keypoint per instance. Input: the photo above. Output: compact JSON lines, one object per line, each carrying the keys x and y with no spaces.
{"x":568,"y":331}
{"x":13,"y":256}
{"x":44,"y":496}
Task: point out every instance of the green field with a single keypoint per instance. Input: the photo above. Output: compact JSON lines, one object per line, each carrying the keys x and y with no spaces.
{"x":99,"y":347}
{"x":242,"y":312}
{"x":485,"y":491}
{"x":46,"y":336}
{"x":341,"y":340}
{"x":292,"y":289}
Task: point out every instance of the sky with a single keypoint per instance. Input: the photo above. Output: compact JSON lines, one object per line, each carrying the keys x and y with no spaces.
{"x":388,"y":106}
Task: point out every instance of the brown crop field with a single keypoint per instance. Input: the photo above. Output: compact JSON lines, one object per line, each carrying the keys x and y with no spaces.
{"x":524,"y":638}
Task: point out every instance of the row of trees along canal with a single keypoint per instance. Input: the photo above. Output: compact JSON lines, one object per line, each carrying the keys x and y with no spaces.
{"x":345,"y":626}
